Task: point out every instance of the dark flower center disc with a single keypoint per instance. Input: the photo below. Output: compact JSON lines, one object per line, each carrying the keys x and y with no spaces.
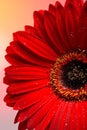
{"x":75,"y":74}
{"x":69,"y":76}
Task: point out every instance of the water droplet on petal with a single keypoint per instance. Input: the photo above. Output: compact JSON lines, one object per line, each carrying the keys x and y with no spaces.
{"x":71,"y":34}
{"x":66,"y":124}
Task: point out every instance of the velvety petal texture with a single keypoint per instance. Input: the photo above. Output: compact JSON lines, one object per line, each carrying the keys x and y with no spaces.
{"x":32,"y":54}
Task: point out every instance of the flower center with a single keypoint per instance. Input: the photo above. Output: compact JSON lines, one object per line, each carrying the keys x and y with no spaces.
{"x":75,"y":74}
{"x":69,"y":76}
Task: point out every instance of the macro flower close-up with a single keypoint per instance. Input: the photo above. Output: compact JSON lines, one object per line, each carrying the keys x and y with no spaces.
{"x":47,"y":76}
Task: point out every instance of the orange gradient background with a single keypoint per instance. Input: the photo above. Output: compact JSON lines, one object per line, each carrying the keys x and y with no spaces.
{"x":14,"y":14}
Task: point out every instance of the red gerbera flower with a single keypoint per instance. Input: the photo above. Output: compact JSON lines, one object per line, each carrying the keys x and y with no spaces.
{"x":48,"y":74}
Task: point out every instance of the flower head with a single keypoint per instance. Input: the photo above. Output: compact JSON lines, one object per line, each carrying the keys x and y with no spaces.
{"x":47,"y":77}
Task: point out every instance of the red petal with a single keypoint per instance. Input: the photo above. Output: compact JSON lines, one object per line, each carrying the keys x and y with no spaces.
{"x":48,"y":117}
{"x":18,"y":51}
{"x":17,"y":54}
{"x":72,"y":117}
{"x":32,"y":31}
{"x":32,"y":98}
{"x":72,"y":25}
{"x":26,"y":73}
{"x":13,"y":58}
{"x":27,"y":113}
{"x":39,"y":25}
{"x":52,"y":9}
{"x":22,"y":126}
{"x":77,"y":119}
{"x":36,"y":118}
{"x":78,"y":116}
{"x":83,"y":40}
{"x":11,"y":100}
{"x":51,"y":28}
{"x":77,"y":3}
{"x":60,"y":19}
{"x":83,"y":16}
{"x":83,"y":115}
{"x":64,"y":124}
{"x":37,"y":46}
{"x":57,"y":120}
{"x":58,"y":4}
{"x":22,"y":87}
{"x":83,"y":28}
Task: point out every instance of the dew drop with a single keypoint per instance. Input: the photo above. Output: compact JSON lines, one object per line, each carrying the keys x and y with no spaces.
{"x":66,"y":124}
{"x":33,"y":128}
{"x":71,"y":34}
{"x":24,"y":43}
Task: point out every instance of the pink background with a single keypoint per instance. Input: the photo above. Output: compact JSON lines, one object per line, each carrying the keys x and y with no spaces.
{"x":14,"y":14}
